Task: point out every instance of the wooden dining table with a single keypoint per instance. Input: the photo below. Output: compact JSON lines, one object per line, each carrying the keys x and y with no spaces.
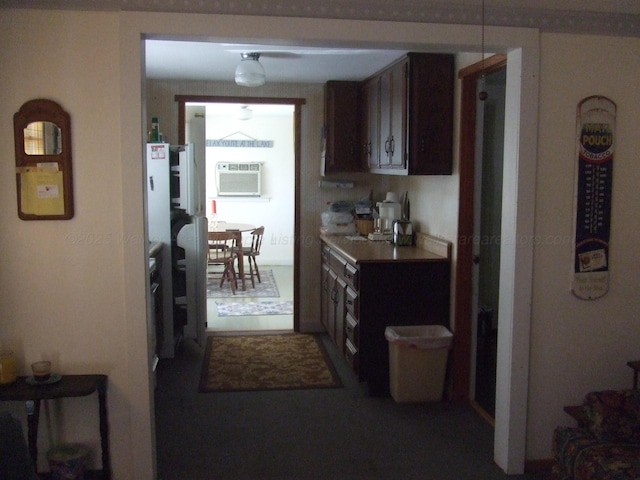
{"x":221,"y":226}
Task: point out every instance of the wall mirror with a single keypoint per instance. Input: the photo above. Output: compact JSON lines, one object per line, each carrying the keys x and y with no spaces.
{"x":42,"y":138}
{"x":42,"y":135}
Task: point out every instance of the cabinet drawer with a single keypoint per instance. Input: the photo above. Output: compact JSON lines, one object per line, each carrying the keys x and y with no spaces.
{"x":352,"y":302}
{"x":337,"y":263}
{"x":351,"y":328}
{"x":325,"y":254}
{"x":352,"y":275}
{"x":351,"y":354}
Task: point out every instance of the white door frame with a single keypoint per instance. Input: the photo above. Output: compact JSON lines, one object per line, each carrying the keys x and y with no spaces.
{"x":522,"y":48}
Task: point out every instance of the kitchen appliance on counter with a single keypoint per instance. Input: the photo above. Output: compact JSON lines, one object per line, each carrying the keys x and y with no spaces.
{"x":402,"y":233}
{"x":388,"y":212}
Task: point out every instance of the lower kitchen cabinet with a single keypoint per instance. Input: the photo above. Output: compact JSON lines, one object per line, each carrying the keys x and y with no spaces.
{"x":367,"y":286}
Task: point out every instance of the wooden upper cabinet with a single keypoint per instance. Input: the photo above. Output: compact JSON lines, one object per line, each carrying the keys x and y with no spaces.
{"x":414,"y":116}
{"x":393,"y":116}
{"x":430,"y":123}
{"x":399,"y":121}
{"x":370,"y":97}
{"x":342,"y":127}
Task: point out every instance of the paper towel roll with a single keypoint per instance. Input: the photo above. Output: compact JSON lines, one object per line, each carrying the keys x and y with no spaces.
{"x":391,"y":197}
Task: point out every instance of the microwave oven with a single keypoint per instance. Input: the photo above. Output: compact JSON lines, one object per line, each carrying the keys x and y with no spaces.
{"x":238,"y":179}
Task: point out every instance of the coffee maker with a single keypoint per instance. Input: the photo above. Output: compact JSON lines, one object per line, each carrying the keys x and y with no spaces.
{"x":388,"y":211}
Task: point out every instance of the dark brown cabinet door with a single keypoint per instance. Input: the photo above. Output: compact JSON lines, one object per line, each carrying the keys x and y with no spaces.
{"x":397,"y":100}
{"x":325,"y":296}
{"x":341,"y":311}
{"x":342,"y":145}
{"x":430,"y":122}
{"x":371,"y":122}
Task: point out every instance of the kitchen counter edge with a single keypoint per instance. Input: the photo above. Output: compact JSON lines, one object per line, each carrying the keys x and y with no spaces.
{"x":367,"y":251}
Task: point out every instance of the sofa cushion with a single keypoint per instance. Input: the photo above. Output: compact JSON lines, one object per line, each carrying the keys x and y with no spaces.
{"x":568,"y":443}
{"x":614,"y":415}
{"x":603,"y":461}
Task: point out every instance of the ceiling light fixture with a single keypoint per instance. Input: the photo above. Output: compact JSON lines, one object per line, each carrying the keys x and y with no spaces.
{"x":245,"y":113}
{"x":249,"y":72}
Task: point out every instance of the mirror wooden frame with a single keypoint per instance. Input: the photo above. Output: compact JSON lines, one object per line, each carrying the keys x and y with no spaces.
{"x":44,"y":182}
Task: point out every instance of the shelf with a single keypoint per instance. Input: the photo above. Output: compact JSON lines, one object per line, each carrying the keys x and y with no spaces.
{"x":239,"y":199}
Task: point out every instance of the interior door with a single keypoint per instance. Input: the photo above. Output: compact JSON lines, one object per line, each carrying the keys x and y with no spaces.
{"x":489,"y":149}
{"x":195,"y":135}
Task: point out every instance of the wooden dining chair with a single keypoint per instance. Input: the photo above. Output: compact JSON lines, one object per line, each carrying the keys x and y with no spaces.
{"x":223,"y":248}
{"x":252,"y":251}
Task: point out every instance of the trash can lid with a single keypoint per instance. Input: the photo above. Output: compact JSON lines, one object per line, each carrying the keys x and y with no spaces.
{"x":420,"y":336}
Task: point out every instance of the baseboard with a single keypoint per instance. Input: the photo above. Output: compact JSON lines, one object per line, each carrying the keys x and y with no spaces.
{"x":483,"y":413}
{"x":538,"y":466}
{"x":530,"y":466}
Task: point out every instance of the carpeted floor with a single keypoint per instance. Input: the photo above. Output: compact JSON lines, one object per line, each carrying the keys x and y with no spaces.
{"x":319,"y":434}
{"x":266,"y":362}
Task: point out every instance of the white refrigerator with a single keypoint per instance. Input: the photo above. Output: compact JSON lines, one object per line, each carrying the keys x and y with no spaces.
{"x":175,"y":212}
{"x":159,"y":230}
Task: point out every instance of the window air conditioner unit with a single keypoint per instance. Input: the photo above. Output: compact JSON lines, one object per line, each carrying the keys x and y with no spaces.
{"x":238,"y":179}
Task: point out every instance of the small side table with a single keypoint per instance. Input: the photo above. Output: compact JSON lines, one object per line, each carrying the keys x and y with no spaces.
{"x":68,"y":386}
{"x":635,"y":366}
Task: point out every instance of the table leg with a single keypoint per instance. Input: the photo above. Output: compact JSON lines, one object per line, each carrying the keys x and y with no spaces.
{"x":33,"y":417}
{"x":104,"y":430}
{"x":241,"y":261}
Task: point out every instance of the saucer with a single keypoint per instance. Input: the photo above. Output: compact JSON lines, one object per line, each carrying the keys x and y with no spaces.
{"x":54,"y":378}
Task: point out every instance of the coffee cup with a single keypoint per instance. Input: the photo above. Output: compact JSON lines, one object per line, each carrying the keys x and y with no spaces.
{"x":41,"y":371}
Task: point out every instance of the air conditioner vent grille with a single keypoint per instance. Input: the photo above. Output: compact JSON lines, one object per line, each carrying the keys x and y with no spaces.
{"x":239,"y":179}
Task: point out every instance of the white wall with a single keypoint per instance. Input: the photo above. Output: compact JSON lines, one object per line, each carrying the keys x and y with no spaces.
{"x":578,"y":345}
{"x":62,"y":283}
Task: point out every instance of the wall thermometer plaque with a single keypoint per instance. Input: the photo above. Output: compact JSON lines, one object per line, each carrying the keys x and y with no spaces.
{"x":596,"y":118}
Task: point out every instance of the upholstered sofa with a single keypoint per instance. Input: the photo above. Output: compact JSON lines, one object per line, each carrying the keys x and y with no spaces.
{"x":607,"y":445}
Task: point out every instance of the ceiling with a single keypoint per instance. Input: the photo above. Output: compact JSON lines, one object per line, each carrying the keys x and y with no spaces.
{"x":217,"y":61}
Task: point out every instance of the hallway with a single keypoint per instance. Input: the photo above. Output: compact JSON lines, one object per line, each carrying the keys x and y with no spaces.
{"x":321,"y":434}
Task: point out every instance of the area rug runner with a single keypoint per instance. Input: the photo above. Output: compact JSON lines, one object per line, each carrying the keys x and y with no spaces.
{"x":266,"y":362}
{"x":267,"y":307}
{"x":266,"y":288}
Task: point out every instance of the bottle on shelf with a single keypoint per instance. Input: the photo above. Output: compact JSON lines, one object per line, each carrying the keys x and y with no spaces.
{"x":155,"y":129}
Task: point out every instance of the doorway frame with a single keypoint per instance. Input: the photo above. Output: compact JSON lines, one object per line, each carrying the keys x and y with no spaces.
{"x":521,"y":140}
{"x":463,"y":341}
{"x":516,"y":256}
{"x":297,"y":123}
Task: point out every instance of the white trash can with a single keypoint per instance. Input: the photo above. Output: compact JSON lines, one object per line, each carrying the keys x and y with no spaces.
{"x":418,"y":362}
